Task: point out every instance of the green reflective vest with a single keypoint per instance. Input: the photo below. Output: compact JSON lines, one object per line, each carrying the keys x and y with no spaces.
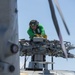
{"x":40,"y":30}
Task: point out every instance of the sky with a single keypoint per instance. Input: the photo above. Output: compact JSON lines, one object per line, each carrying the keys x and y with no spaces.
{"x":39,"y":10}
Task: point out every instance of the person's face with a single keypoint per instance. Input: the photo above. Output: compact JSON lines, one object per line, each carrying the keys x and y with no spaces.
{"x":34,"y":27}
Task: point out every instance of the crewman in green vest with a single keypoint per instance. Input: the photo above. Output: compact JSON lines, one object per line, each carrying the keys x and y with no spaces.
{"x":36,"y":30}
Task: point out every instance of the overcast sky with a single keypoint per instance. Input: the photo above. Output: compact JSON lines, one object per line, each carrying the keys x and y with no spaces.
{"x":39,"y":10}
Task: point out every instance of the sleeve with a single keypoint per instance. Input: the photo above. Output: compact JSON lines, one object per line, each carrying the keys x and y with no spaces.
{"x":30,"y":33}
{"x":42,"y":30}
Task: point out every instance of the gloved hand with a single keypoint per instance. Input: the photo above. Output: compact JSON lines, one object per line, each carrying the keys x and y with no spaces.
{"x":37,"y":35}
{"x":44,"y":36}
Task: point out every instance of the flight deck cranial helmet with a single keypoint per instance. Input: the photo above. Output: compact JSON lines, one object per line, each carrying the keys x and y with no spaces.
{"x":33,"y":23}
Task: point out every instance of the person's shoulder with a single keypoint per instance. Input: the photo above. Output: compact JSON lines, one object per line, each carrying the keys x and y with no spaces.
{"x":29,"y":29}
{"x":40,"y":25}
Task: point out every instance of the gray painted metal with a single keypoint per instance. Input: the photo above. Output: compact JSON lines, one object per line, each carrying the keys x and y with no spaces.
{"x":50,"y":72}
{"x":8,"y":36}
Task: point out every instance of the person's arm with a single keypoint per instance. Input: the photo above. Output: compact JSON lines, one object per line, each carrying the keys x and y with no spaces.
{"x":42,"y":30}
{"x":30,"y":33}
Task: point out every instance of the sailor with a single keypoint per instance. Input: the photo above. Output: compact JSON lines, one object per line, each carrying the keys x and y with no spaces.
{"x":36,"y":30}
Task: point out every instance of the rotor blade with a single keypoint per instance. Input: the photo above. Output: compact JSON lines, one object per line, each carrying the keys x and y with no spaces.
{"x":62,"y":17}
{"x":57,"y":26}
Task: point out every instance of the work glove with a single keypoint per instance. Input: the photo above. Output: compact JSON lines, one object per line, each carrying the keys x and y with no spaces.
{"x":44,"y":36}
{"x":38,"y":35}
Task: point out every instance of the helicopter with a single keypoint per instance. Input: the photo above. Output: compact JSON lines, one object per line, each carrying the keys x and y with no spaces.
{"x":11,"y":47}
{"x":41,"y":47}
